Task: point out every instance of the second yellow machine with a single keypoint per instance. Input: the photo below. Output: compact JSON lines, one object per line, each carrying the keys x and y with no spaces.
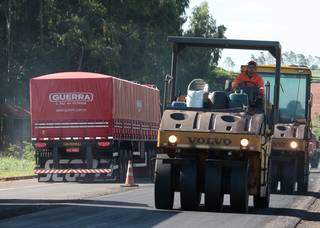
{"x":292,"y":134}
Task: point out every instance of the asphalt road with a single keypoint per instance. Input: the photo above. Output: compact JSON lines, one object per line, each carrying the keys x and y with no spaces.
{"x":31,"y":204}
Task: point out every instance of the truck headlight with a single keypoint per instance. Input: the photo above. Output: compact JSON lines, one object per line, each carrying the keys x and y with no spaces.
{"x":294,"y":145}
{"x":172,"y":139}
{"x":244,"y":142}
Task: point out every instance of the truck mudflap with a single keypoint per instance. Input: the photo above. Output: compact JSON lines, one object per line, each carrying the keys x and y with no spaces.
{"x":74,"y":171}
{"x":102,"y":170}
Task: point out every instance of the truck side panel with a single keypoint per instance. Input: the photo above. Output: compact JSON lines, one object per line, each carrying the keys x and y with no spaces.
{"x":136,"y":111}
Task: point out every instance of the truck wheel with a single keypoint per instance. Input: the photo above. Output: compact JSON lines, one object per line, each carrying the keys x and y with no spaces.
{"x":163,"y":186}
{"x":239,"y":195}
{"x":123,"y":165}
{"x":189,"y":189}
{"x":213,"y":188}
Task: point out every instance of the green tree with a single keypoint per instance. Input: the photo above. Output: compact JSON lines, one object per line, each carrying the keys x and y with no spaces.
{"x":229,"y":63}
{"x":124,"y":38}
{"x":199,"y":63}
{"x":263,"y":58}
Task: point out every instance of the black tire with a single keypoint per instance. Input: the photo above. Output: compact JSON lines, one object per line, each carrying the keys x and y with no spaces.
{"x":189,"y":189}
{"x":213,"y":188}
{"x":151,"y":164}
{"x":287,"y":186}
{"x":163,"y":186}
{"x":313,"y":165}
{"x":303,"y":184}
{"x":314,"y":162}
{"x":239,"y":195}
{"x":303,"y":175}
{"x":262,"y":202}
{"x":274,"y":177}
{"x":303,"y":188}
{"x":123,"y":165}
{"x":288,"y":178}
{"x":152,"y":169}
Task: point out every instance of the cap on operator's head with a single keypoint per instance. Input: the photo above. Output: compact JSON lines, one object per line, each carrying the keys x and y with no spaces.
{"x":252,"y":63}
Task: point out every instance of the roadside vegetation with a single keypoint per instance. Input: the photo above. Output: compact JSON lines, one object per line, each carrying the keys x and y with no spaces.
{"x":17,"y":160}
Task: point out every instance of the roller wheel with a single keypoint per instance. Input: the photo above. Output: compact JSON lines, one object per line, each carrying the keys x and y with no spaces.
{"x":274,"y":186}
{"x":239,"y":195}
{"x":163,"y":186}
{"x":261,"y":202}
{"x":213,"y":188}
{"x":264,"y":201}
{"x":189,"y":188}
{"x":287,"y":186}
{"x":152,"y":169}
{"x":275,"y":177}
{"x":313,"y":164}
{"x":303,"y":182}
{"x":288,"y":178}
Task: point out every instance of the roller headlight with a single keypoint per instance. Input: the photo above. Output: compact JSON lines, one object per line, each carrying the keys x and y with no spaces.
{"x":244,"y":142}
{"x":173,"y":139}
{"x":294,"y":145}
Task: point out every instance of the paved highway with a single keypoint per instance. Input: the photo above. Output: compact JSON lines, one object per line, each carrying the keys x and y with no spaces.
{"x":32,"y":204}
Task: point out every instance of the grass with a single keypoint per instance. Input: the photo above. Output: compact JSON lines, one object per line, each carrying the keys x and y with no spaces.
{"x":13,"y":167}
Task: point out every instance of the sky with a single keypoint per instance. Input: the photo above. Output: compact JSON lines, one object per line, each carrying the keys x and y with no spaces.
{"x":294,"y":23}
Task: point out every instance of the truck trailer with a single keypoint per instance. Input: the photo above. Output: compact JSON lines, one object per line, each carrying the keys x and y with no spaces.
{"x":86,"y":126}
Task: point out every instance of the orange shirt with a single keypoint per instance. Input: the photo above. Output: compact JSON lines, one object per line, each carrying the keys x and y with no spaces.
{"x":255,"y":79}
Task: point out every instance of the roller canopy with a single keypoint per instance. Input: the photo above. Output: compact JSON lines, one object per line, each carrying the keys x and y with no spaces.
{"x":180,"y":42}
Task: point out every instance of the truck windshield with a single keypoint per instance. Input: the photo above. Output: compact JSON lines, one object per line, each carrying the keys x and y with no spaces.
{"x":292,"y":100}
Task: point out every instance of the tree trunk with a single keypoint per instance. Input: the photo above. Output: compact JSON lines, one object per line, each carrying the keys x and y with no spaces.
{"x":41,"y":22}
{"x":81,"y":58}
{"x":9,"y":37}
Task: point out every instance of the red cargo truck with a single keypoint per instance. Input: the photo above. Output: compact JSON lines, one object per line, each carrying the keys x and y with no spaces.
{"x":86,"y":126}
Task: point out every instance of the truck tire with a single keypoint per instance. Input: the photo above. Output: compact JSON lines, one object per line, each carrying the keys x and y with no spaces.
{"x":189,"y":188}
{"x":239,"y":195}
{"x":123,"y":165}
{"x":163,"y":186}
{"x":213,"y":188}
